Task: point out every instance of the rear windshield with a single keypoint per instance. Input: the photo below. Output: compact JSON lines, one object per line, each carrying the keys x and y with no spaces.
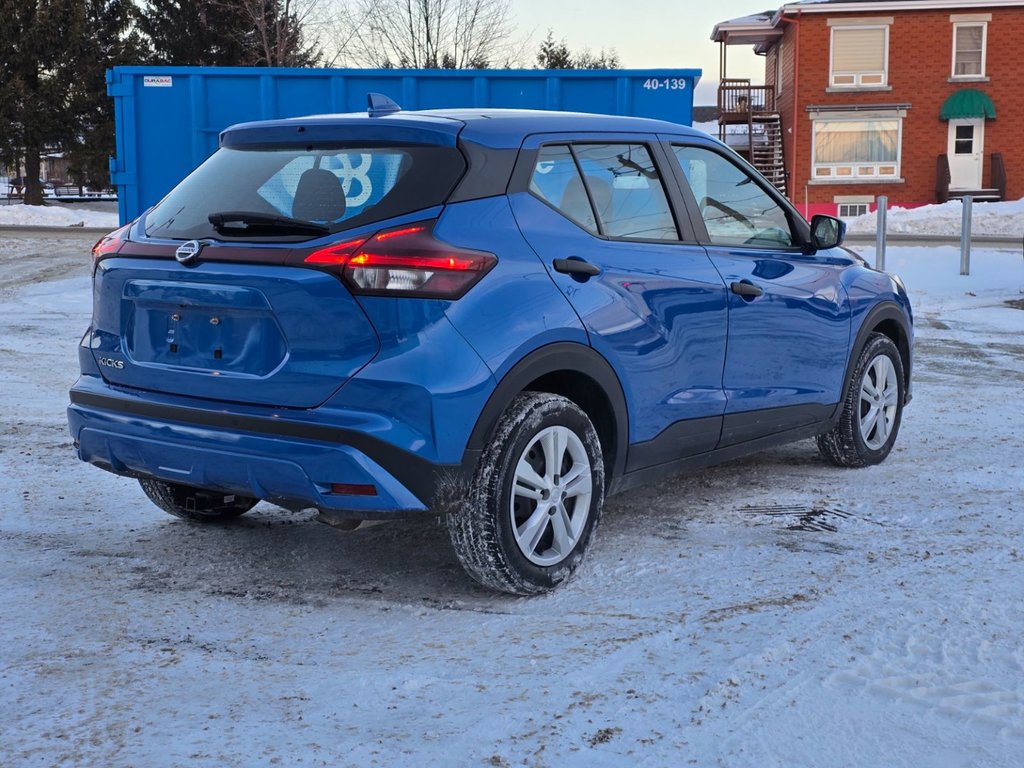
{"x":339,"y":188}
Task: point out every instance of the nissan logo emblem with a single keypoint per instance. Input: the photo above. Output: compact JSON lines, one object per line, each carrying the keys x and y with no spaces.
{"x":188,"y":253}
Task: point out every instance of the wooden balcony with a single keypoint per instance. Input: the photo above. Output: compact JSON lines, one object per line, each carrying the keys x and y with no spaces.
{"x":741,"y":102}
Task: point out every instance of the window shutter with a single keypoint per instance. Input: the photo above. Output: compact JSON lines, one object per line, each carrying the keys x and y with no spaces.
{"x":858,"y":50}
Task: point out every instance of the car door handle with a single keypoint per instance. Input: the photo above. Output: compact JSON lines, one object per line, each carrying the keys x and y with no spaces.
{"x":575,"y":267}
{"x":746,"y":289}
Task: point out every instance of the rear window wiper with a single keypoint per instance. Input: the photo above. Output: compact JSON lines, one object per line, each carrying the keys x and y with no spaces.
{"x":245,"y":222}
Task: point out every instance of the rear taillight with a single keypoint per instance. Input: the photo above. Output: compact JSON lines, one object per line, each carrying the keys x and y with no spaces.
{"x":110,"y":244}
{"x":406,"y":261}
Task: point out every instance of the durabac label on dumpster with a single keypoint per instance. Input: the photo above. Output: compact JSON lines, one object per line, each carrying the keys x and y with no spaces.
{"x":157,"y":81}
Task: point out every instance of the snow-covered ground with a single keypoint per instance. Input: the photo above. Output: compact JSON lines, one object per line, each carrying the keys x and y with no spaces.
{"x":54,"y":215}
{"x":771,"y":612}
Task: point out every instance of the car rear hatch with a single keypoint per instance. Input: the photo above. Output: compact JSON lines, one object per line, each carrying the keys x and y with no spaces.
{"x":245,"y":318}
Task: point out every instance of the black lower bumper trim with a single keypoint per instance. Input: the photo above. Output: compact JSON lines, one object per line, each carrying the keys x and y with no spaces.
{"x":423,"y":478}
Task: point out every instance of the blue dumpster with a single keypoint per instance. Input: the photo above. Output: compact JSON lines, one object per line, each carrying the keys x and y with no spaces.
{"x":168,"y":118}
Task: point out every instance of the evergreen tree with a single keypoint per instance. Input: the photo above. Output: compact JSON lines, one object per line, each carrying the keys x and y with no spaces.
{"x":601,"y":60}
{"x":111,"y":38}
{"x":195,"y":32}
{"x":54,"y":55}
{"x":555,"y":54}
{"x":231,"y":33}
{"x":40,"y":46}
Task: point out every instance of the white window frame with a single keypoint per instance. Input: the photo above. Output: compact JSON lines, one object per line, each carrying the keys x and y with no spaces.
{"x":843,"y":173}
{"x":858,"y":78}
{"x":984,"y":50}
{"x":852,"y":210}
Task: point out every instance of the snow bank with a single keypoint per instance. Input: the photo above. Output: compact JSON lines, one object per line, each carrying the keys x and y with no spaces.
{"x":1005,"y":218}
{"x":55,"y":216}
{"x":933,"y":279}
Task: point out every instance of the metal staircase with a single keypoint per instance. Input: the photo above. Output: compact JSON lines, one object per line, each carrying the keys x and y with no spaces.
{"x":766,"y":149}
{"x":749,"y":123}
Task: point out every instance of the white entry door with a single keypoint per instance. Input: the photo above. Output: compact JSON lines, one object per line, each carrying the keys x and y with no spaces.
{"x":966,"y":152}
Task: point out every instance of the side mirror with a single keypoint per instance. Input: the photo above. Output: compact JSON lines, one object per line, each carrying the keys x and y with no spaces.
{"x":826,"y":232}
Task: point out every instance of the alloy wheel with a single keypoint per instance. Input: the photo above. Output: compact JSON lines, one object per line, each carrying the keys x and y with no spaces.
{"x":551,"y":493}
{"x":879,"y":398}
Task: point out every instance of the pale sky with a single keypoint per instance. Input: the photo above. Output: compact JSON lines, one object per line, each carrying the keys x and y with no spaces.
{"x":648,"y":33}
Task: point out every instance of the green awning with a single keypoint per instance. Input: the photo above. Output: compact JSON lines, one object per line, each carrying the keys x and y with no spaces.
{"x":968,"y":103}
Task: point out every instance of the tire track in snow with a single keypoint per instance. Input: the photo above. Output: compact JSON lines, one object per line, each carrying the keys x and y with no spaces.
{"x":913,"y":666}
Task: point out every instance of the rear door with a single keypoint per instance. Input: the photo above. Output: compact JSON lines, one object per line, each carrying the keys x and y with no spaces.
{"x":597,"y":212}
{"x":789,"y":317}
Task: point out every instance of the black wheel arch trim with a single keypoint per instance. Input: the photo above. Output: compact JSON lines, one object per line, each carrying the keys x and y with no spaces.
{"x":880,"y":313}
{"x":554,"y":358}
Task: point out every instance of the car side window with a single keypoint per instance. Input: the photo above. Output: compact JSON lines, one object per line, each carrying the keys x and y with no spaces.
{"x":627,"y":191}
{"x":619,"y":180}
{"x":556,"y":180}
{"x":735,"y":209}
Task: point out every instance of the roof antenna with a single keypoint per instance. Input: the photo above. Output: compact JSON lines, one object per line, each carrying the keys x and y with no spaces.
{"x":379,"y":105}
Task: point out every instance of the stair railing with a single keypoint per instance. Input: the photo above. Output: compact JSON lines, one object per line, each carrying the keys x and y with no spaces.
{"x":999,"y":174}
{"x":942,"y":178}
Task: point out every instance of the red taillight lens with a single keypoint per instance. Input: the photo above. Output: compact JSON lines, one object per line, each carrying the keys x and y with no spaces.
{"x":336,"y":254}
{"x":111,"y":243}
{"x":406,"y":261}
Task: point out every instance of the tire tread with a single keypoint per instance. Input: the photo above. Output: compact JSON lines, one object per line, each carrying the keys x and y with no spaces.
{"x":842,"y":445}
{"x":473,"y":524}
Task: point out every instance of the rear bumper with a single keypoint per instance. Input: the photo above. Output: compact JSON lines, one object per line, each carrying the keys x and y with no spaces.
{"x":287,"y":462}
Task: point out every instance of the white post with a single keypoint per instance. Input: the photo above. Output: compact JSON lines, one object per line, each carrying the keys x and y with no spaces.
{"x":881,"y":206}
{"x":965,"y":237}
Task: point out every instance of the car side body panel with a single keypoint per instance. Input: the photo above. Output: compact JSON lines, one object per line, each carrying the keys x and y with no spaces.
{"x":789,"y":345}
{"x":521,"y":309}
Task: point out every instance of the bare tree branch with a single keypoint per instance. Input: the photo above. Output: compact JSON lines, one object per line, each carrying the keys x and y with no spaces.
{"x":426,"y":33}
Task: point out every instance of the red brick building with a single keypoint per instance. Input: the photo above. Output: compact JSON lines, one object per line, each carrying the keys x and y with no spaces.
{"x":918,"y":100}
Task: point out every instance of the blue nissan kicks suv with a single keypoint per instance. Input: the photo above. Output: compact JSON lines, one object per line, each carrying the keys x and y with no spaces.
{"x":499,"y":316}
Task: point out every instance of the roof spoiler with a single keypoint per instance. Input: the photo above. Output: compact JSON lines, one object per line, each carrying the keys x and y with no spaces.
{"x":379,"y":105}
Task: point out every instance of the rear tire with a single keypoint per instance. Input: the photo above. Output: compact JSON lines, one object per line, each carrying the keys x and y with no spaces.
{"x":196,"y":504}
{"x":872,"y":410}
{"x":535,"y":500}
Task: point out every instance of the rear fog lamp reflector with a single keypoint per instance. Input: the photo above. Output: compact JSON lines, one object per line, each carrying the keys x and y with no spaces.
{"x":353,"y":489}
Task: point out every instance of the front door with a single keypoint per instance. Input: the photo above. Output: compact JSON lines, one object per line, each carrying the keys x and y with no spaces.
{"x":966,"y":148}
{"x":789,"y":316}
